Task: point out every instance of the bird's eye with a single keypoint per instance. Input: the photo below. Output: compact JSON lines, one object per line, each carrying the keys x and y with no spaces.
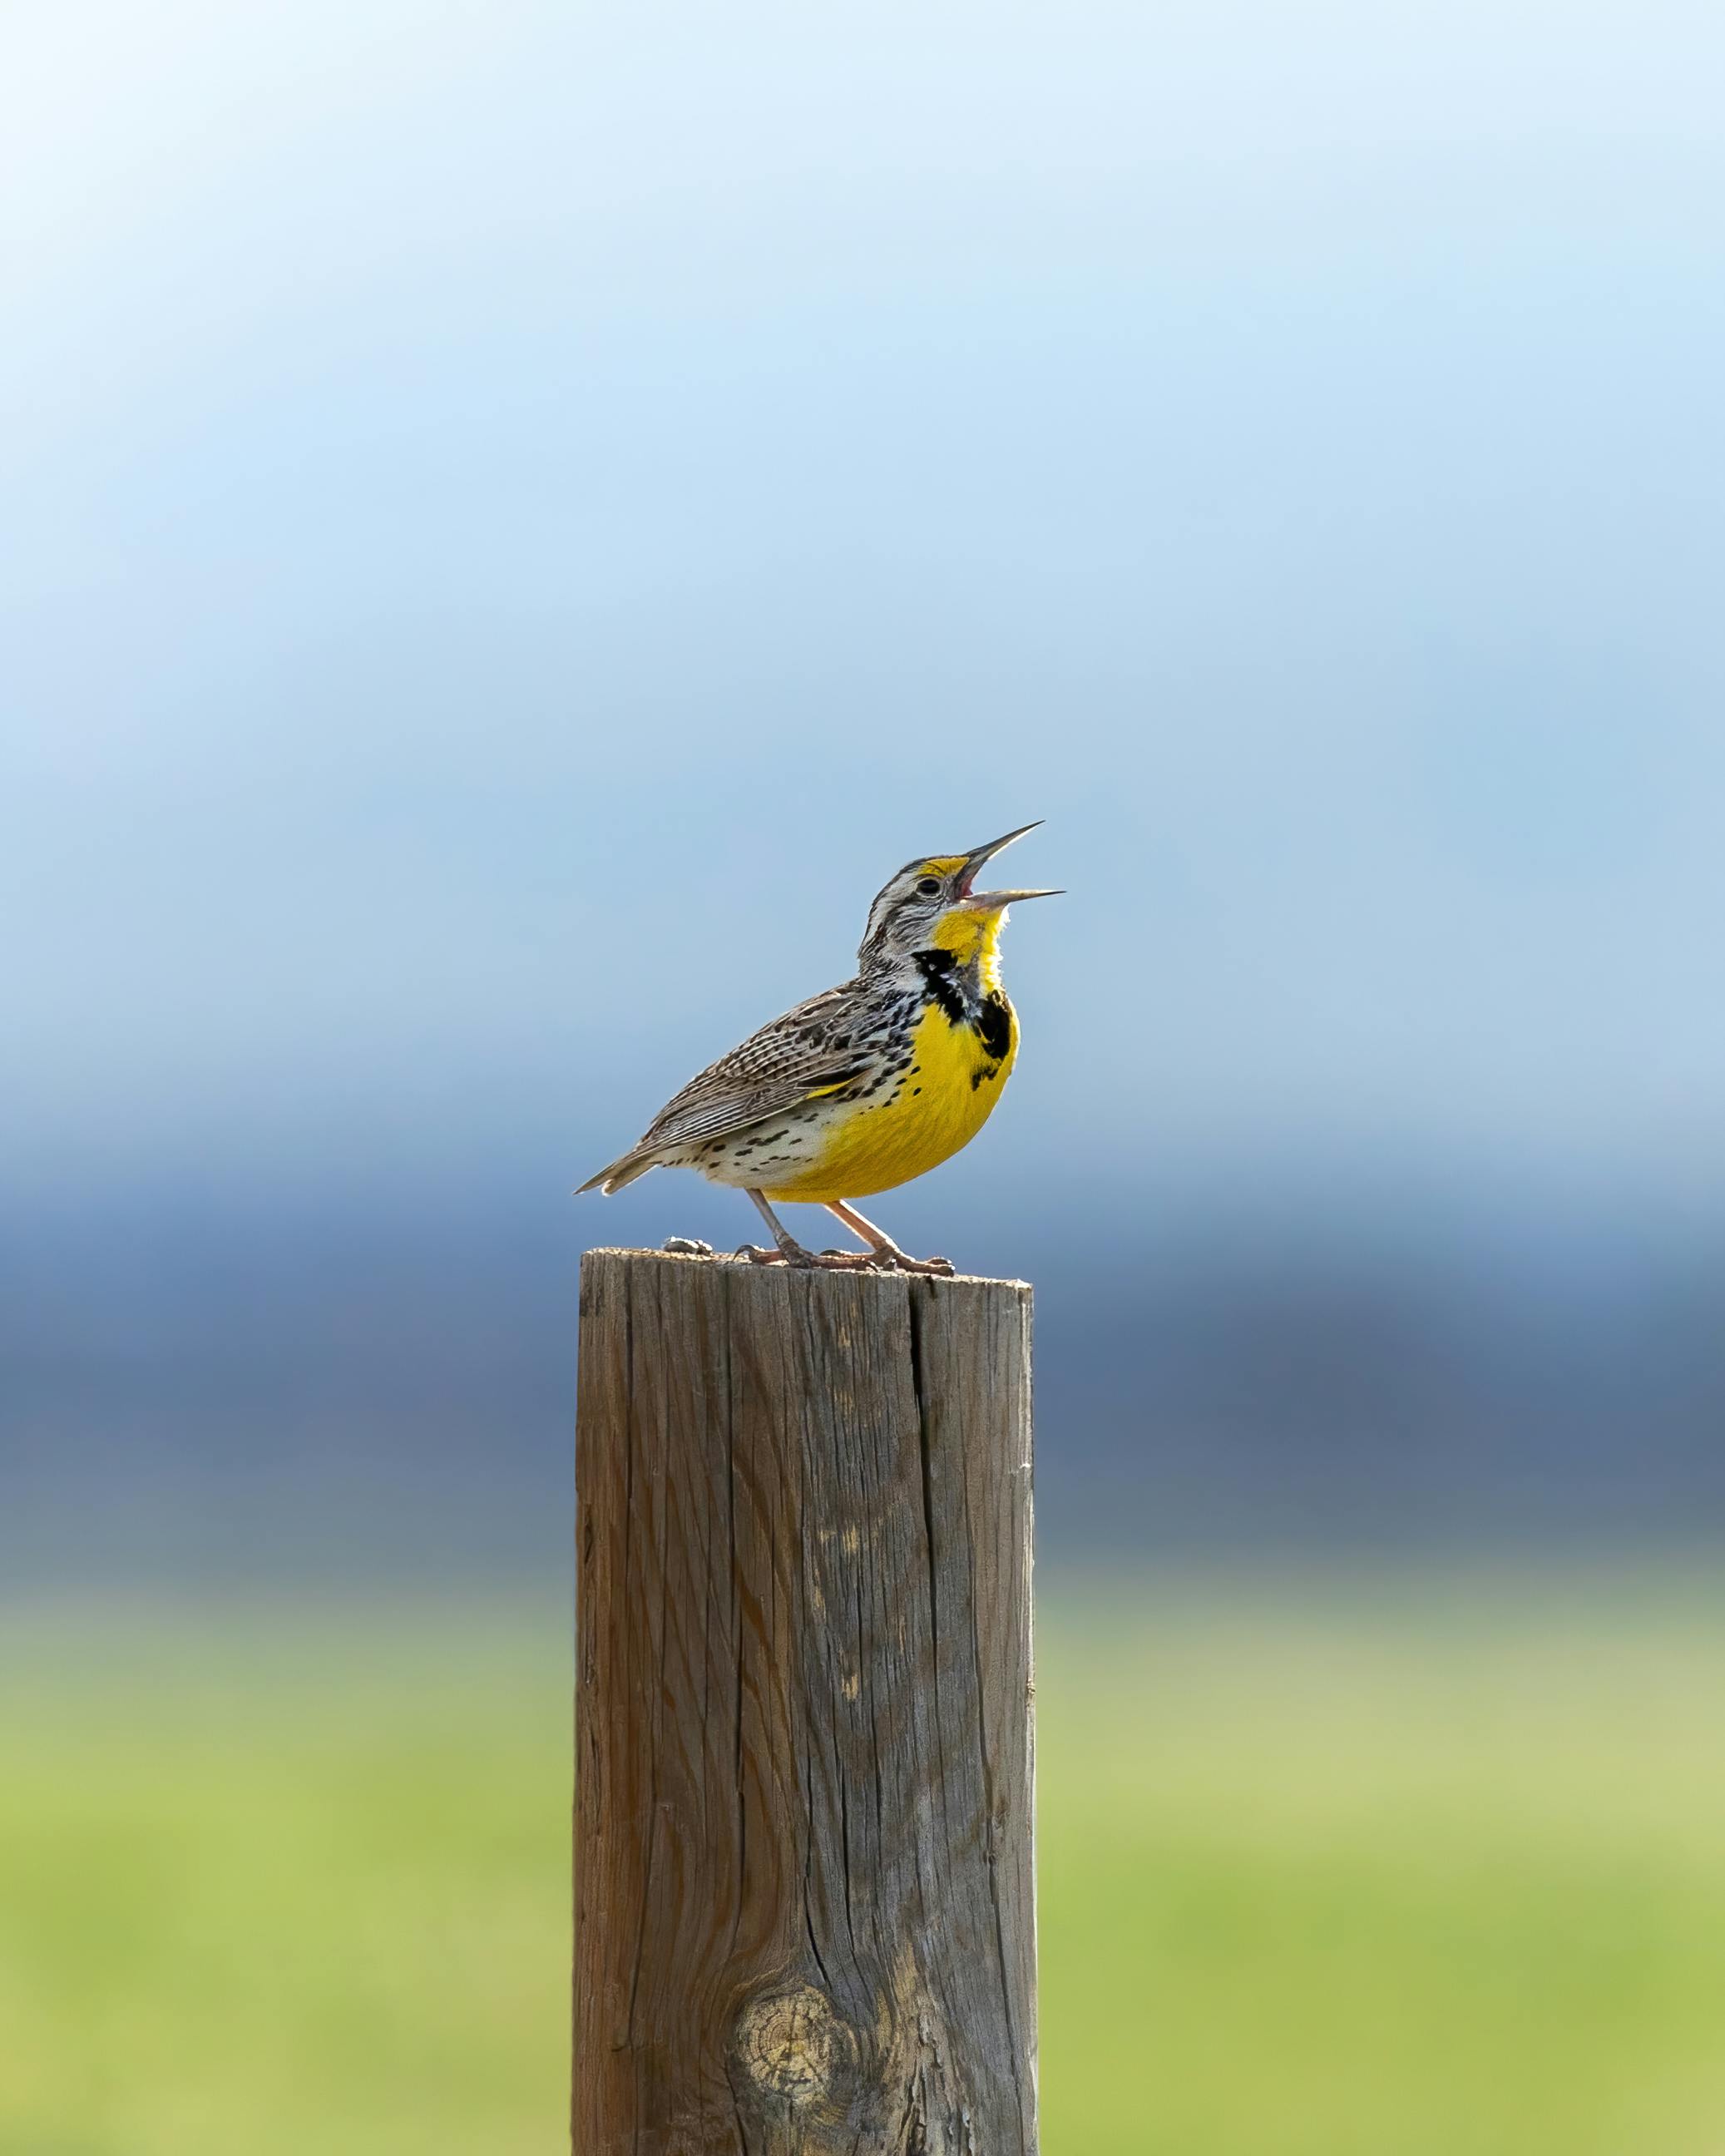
{"x":929,"y":886}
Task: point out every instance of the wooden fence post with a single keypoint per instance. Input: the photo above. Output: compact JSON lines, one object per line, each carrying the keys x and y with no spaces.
{"x":804,"y":1899}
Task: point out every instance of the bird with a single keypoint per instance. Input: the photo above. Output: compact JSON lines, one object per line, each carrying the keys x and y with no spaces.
{"x":865,"y":1086}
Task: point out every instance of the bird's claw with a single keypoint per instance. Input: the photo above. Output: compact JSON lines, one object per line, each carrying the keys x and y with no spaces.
{"x":687,"y":1246}
{"x":796,"y":1257}
{"x":847,"y":1261}
{"x":901,"y":1261}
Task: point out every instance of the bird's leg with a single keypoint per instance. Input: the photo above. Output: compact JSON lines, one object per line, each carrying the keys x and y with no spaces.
{"x":790,"y":1252}
{"x":883,"y":1250}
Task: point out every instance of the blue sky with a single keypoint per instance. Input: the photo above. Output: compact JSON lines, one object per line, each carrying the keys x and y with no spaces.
{"x":513,"y":520}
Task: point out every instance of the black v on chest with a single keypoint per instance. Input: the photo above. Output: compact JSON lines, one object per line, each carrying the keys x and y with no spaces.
{"x":990,"y":1016}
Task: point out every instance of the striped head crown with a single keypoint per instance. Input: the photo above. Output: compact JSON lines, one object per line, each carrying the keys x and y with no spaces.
{"x":909,"y":908}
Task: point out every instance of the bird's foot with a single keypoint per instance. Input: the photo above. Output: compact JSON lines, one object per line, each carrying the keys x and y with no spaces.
{"x":890,"y":1259}
{"x":834,"y":1261}
{"x":687,"y":1246}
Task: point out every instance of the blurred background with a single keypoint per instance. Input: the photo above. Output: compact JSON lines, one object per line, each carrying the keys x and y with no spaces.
{"x":513,"y":521}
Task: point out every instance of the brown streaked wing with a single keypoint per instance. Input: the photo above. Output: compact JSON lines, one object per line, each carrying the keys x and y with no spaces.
{"x":775,"y":1068}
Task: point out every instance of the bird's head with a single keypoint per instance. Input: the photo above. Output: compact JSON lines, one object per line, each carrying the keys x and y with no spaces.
{"x":933,"y":904}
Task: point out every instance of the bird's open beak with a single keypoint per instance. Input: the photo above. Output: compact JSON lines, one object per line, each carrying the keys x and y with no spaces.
{"x":991,"y":901}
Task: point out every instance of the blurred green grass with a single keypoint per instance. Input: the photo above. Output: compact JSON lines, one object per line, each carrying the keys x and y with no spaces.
{"x":1326,"y":1870}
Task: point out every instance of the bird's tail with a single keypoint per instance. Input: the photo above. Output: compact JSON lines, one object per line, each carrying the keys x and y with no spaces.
{"x":621,"y":1172}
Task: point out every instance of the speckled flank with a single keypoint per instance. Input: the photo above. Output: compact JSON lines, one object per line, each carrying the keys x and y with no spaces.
{"x":919,"y":1108}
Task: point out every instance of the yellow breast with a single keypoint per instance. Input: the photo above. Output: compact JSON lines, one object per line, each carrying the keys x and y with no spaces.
{"x":943,"y":1099}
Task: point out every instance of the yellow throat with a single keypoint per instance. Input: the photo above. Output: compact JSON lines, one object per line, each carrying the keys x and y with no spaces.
{"x":973,"y":938}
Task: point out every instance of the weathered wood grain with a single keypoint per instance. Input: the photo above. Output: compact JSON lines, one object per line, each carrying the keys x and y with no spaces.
{"x":804,"y":1902}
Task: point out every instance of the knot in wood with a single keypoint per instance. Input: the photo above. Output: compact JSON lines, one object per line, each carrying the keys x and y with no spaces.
{"x":793,"y":2045}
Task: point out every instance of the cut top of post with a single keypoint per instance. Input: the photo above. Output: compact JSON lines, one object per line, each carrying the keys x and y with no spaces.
{"x":740,"y":1264}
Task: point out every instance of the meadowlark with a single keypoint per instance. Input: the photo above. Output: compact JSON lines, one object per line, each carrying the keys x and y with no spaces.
{"x":863,"y":1087}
